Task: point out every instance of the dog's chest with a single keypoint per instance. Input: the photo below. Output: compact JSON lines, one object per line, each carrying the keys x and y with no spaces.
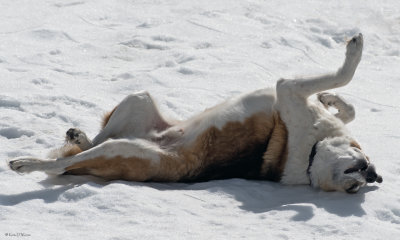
{"x":307,"y":123}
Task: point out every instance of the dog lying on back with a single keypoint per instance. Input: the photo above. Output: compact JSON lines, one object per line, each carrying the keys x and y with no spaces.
{"x":272,"y":134}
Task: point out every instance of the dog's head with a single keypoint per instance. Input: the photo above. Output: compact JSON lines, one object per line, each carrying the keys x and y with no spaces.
{"x":340,"y":165}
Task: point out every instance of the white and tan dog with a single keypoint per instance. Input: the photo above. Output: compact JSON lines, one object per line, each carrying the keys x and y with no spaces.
{"x":272,"y":134}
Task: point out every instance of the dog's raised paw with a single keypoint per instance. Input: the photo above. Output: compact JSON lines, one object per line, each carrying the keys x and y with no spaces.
{"x":78,"y":137}
{"x":355,"y":46}
{"x":75,"y":136}
{"x":326,"y":98}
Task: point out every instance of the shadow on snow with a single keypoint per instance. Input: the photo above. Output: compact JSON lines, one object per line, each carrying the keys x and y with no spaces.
{"x":254,"y":196}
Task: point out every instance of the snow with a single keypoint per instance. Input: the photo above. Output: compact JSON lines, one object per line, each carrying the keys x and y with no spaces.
{"x":65,"y":63}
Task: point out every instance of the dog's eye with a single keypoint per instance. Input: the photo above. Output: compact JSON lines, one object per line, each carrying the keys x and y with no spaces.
{"x":355,"y":169}
{"x":361,"y":165}
{"x":351,"y":170}
{"x":364,"y":168}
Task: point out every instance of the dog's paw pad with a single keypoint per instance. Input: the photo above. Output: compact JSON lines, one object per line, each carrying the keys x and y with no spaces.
{"x":74,"y":135}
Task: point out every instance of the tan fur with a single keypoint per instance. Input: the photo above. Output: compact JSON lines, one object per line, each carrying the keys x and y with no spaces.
{"x":131,"y":169}
{"x":355,"y":144}
{"x":213,"y":147}
{"x":216,"y":146}
{"x":65,"y":151}
{"x":276,"y":155}
{"x":106,"y":118}
{"x":73,"y":150}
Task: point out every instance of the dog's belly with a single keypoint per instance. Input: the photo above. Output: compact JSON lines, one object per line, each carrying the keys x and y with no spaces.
{"x":252,"y":149}
{"x":242,"y":138}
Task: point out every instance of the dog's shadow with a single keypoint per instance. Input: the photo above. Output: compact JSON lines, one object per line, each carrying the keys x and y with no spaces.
{"x":254,"y":196}
{"x":54,"y":188}
{"x":263,"y":197}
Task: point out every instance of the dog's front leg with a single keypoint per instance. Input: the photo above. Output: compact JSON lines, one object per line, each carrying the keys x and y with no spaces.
{"x":305,"y":87}
{"x":78,"y":137}
{"x":346,"y":111}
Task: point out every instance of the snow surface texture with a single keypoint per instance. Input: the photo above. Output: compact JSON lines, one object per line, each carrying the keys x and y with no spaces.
{"x":65,"y":63}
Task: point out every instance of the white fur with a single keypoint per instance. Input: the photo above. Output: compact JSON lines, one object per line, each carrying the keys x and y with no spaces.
{"x":112,"y":148}
{"x":135,"y":110}
{"x":308,"y":122}
{"x":337,"y":158}
{"x":234,"y":110}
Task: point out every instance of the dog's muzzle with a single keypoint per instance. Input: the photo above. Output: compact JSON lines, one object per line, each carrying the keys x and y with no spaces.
{"x":371,"y":175}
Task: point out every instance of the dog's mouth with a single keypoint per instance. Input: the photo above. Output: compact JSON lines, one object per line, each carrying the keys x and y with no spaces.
{"x":354,"y":188}
{"x":366,"y":170}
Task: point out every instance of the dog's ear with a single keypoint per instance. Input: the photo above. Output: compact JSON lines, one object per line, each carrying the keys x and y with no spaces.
{"x":355,"y":144}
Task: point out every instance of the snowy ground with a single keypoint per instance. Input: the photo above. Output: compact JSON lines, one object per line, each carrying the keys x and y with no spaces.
{"x":64,"y":63}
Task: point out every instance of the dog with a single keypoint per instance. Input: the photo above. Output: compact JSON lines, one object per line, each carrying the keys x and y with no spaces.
{"x":278,"y":134}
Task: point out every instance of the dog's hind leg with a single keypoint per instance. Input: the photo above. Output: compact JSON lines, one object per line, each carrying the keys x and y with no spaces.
{"x":137,"y":160}
{"x":305,"y":87}
{"x":346,"y":111}
{"x":136,"y":116}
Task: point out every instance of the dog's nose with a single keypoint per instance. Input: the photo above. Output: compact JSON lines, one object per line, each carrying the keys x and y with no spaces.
{"x":379,"y":179}
{"x":372,"y":176}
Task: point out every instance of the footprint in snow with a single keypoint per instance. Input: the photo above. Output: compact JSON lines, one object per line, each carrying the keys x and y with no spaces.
{"x":149,"y":23}
{"x":203,"y":45}
{"x":163,"y":38}
{"x":46,"y":34}
{"x":55,"y":52}
{"x":186,"y":71}
{"x":13,"y":132}
{"x":140,"y":44}
{"x":61,"y":5}
{"x":77,"y":194}
{"x":123,"y":76}
{"x":42,"y":83}
{"x":17,"y":70}
{"x":10,"y":104}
